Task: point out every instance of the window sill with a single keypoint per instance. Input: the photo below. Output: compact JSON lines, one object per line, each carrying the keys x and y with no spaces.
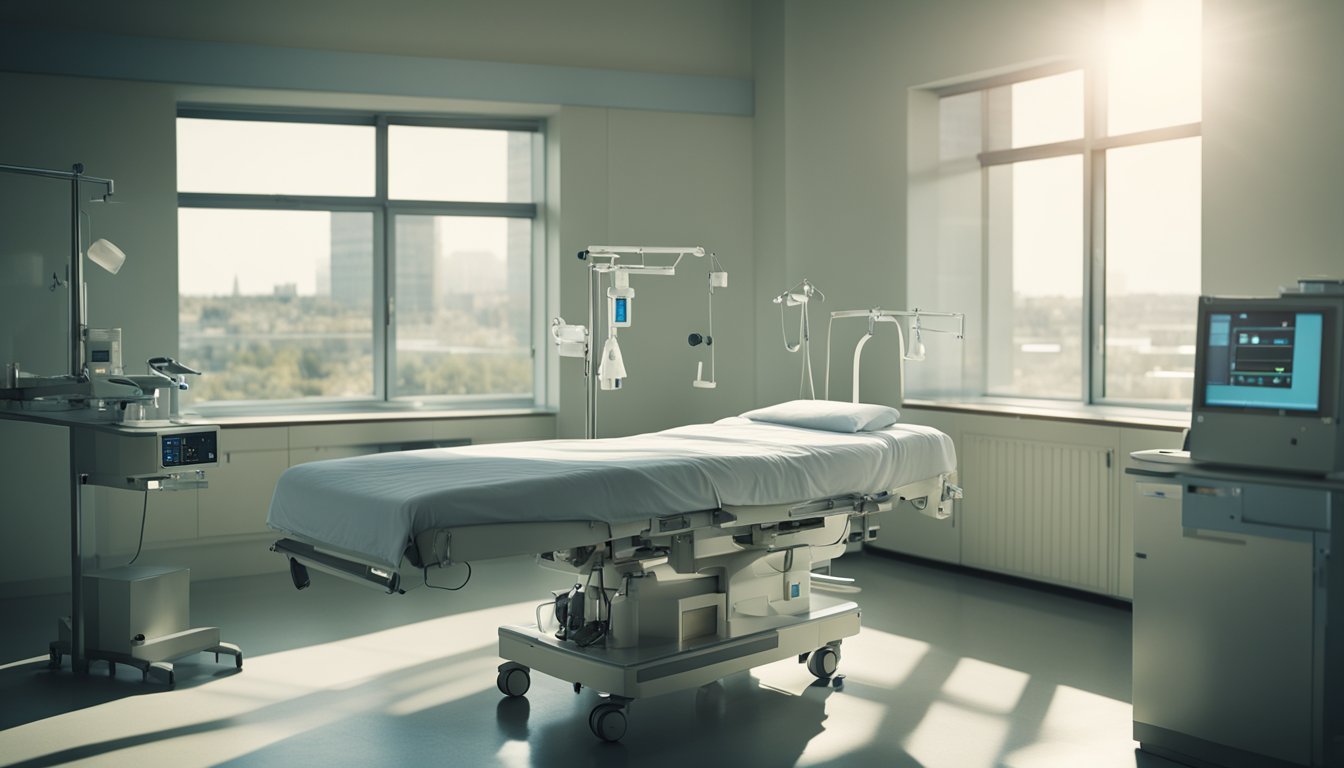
{"x":1079,"y":413}
{"x":368,"y":416}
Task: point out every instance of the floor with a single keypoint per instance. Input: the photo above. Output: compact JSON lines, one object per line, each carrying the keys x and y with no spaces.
{"x":951,"y":669}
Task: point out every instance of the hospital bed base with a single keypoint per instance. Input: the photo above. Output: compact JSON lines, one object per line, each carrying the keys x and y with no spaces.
{"x":626,"y":674}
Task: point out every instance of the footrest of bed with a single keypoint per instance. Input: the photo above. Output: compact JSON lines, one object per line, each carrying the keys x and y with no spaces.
{"x":306,"y":555}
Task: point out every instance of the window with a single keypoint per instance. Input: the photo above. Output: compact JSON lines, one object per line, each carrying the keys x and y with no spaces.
{"x":329,"y":260}
{"x":1086,"y":185}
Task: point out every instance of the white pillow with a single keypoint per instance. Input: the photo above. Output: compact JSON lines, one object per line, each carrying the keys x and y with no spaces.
{"x":827,"y":415}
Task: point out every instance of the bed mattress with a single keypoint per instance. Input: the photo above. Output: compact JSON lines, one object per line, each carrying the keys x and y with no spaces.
{"x":374,"y":505}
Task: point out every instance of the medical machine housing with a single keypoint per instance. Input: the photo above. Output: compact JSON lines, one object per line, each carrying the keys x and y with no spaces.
{"x":1237,"y":589}
{"x":1269,"y":383}
{"x":118,"y":438}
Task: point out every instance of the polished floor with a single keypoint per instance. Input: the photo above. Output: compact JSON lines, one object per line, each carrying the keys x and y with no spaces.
{"x":951,"y":670}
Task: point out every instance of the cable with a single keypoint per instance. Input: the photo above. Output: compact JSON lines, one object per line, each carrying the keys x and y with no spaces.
{"x":711,"y":328}
{"x":784,"y":331}
{"x":829,"y":323}
{"x":448,"y":589}
{"x":144,"y":510}
{"x":807,"y":354}
{"x":551,"y":603}
{"x":806,"y":382}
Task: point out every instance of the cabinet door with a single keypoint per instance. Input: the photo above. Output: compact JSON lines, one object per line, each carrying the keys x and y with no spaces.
{"x":1222,"y":632}
{"x":240,"y":491}
{"x":239,"y":494}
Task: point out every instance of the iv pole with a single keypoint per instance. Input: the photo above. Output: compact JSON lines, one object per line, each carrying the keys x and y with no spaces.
{"x":603,"y":258}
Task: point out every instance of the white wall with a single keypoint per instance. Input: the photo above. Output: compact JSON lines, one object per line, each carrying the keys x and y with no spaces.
{"x":655,"y":178}
{"x":704,"y":37}
{"x":119,"y":130}
{"x":1273,"y":162}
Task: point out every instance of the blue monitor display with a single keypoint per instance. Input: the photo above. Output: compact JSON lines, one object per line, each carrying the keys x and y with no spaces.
{"x":1264,"y":359}
{"x":621,"y":311}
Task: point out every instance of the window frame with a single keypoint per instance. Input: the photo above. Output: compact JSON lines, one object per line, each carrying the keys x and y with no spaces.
{"x":1092,"y":148}
{"x":384,"y":211}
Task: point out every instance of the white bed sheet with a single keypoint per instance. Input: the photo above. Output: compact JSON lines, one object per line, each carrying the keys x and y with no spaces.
{"x":373,"y":505}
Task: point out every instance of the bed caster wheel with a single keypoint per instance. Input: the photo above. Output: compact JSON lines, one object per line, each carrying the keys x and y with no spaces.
{"x":513,"y":680}
{"x":823,"y":662}
{"x":607,"y":722}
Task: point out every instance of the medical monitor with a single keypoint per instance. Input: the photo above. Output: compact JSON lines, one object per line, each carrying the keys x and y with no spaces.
{"x":1267,"y":383}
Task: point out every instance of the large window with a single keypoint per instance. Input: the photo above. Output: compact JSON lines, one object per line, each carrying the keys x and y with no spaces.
{"x":1086,"y":183}
{"x":327,"y":260}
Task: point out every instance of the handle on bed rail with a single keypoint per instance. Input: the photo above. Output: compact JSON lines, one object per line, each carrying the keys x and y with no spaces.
{"x":388,"y":580}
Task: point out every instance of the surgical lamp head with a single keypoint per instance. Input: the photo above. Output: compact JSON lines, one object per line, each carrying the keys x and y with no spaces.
{"x":106,"y":255}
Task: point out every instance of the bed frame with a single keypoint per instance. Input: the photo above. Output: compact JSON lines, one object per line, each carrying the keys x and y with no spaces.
{"x":663,"y":603}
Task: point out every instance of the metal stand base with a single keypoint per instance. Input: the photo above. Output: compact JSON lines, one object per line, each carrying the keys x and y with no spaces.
{"x":157,"y":662}
{"x":626,"y":674}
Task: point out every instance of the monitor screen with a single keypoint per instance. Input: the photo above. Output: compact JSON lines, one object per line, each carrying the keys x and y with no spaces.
{"x":1264,"y":359}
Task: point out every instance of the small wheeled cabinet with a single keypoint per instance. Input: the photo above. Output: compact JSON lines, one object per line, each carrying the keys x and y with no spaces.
{"x":137,"y":616}
{"x":1236,"y":661}
{"x":625,"y":674}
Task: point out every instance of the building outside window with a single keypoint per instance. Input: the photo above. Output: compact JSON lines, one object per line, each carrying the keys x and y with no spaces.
{"x":1084,"y":186}
{"x":329,"y":260}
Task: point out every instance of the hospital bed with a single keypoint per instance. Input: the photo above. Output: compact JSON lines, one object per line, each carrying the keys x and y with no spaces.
{"x":694,"y":551}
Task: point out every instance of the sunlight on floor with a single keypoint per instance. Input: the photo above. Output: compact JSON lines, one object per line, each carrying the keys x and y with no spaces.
{"x":986,"y":686}
{"x":1078,"y":728}
{"x":515,"y":754}
{"x":849,"y":721}
{"x":281,"y":695}
{"x":900,"y":656}
{"x":954,"y":736}
{"x":426,"y":690}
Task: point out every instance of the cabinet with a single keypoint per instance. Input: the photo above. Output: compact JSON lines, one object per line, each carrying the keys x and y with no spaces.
{"x":1230,"y":600}
{"x":1043,"y":500}
{"x":240,"y":488}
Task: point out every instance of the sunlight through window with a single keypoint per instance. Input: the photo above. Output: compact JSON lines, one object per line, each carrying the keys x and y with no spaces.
{"x":1153,"y":64}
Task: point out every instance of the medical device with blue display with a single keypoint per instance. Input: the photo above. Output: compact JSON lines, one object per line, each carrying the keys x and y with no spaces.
{"x":1268,"y":383}
{"x":620,"y":299}
{"x":1264,"y":360}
